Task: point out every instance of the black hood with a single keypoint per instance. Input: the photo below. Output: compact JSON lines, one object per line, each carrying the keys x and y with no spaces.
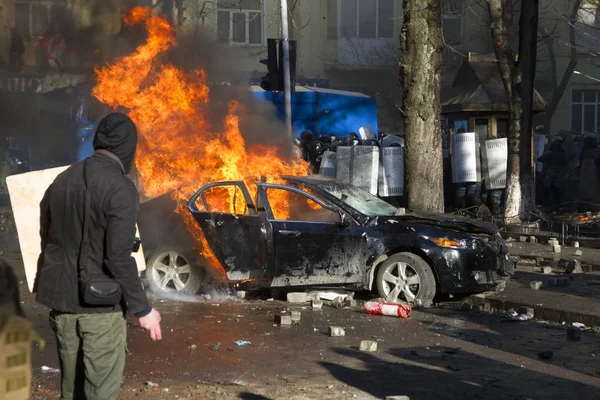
{"x":117,"y":133}
{"x":449,"y":221}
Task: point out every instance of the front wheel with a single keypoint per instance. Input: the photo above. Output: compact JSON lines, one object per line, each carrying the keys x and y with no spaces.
{"x":406,"y":277}
{"x":170,"y":270}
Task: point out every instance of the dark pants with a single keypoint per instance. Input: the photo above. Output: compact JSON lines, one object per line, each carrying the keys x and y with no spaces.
{"x":91,"y":351}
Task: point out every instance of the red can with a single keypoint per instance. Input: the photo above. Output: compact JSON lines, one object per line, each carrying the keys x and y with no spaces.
{"x":391,"y":309}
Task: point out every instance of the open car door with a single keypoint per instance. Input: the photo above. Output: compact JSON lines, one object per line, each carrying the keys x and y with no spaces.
{"x":233,"y":230}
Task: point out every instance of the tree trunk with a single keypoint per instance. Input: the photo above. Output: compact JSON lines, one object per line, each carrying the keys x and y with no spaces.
{"x":528,"y":28}
{"x":422,"y":47}
{"x":511,"y":78}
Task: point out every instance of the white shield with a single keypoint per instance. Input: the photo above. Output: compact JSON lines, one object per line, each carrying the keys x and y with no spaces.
{"x":342,"y":163}
{"x":539,"y":145}
{"x":391,"y":172}
{"x":494,"y":157}
{"x":366,"y":133}
{"x":26,"y":192}
{"x":364,"y":168}
{"x":327,"y":167}
{"x":466,"y":166}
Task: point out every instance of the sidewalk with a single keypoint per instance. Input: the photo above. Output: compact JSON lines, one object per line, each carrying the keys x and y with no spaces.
{"x":577,"y":302}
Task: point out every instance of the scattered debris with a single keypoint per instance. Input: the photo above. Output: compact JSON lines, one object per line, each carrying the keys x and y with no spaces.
{"x":556,"y":248}
{"x":578,"y":253}
{"x":546,"y":270}
{"x":596,"y":330}
{"x":351,"y":303}
{"x":546,"y":355}
{"x":523,"y":239}
{"x":532,"y":239}
{"x":317,"y":304}
{"x":298,"y":297}
{"x":193,"y":347}
{"x":535,"y":285}
{"x":50,"y":370}
{"x":338,"y":302}
{"x":580,"y":326}
{"x":336,"y":331}
{"x":215,"y":346}
{"x":241,"y":294}
{"x":331,"y":296}
{"x":529,"y":311}
{"x":295,"y":316}
{"x":573,"y":333}
{"x":397,"y":398}
{"x":368,"y":346}
{"x":576,"y":244}
{"x":151,"y":384}
{"x":390,"y":309}
{"x":283,"y":319}
{"x":241,"y":342}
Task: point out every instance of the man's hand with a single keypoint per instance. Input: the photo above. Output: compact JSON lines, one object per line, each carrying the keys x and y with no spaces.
{"x":151,"y":323}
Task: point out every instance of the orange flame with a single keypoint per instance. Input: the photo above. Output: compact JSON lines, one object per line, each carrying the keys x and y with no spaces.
{"x":179,"y":150}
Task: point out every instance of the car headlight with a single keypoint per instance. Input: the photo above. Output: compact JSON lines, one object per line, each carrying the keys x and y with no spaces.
{"x":450,"y":243}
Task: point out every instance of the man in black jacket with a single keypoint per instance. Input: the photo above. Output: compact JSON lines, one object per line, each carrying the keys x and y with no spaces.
{"x":91,"y":339}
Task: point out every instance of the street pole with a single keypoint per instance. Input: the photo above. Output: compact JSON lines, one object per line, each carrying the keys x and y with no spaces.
{"x":286,"y":67}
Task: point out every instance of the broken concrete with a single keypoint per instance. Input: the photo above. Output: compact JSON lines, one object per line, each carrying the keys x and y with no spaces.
{"x":295,"y":316}
{"x":535,"y":285}
{"x":529,"y":311}
{"x":317,"y":304}
{"x":556,"y":248}
{"x":283,"y":319}
{"x":546,"y":270}
{"x":336,"y":331}
{"x":298,"y":297}
{"x":368,"y":346}
{"x":578,"y":253}
{"x":574,"y":267}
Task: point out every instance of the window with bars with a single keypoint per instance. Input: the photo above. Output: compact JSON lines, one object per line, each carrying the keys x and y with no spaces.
{"x":240,"y":21}
{"x":361,"y":18}
{"x":36,"y":18}
{"x":585,"y":110}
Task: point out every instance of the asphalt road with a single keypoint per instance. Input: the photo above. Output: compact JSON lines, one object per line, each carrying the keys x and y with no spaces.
{"x":441,"y":353}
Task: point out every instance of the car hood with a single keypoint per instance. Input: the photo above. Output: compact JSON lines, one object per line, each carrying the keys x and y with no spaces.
{"x":448,"y":221}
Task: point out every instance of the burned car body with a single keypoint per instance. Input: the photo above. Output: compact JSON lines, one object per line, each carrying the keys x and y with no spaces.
{"x":317,"y":231}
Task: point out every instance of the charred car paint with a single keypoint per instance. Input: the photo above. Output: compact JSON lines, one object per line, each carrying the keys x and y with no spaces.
{"x":330,"y":233}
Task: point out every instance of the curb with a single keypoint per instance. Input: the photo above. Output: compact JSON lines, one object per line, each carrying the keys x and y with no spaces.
{"x":540,"y":312}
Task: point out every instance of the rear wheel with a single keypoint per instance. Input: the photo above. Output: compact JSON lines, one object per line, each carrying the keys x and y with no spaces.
{"x":406,"y":277}
{"x":169,"y":270}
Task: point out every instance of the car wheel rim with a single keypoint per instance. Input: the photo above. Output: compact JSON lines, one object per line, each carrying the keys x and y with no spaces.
{"x":171,"y":271}
{"x":401,"y":282}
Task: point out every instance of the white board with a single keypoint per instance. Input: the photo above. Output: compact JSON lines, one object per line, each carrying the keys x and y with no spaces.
{"x":494,"y":157}
{"x":327,"y":167}
{"x":539,"y":145}
{"x":26,"y":192}
{"x":466,"y":166}
{"x":364,"y":168}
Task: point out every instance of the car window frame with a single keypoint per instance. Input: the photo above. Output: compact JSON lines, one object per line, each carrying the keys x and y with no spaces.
{"x":265,"y":205}
{"x":200,"y":193}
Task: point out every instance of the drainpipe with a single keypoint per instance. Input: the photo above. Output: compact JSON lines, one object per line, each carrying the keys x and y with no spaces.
{"x":286,"y":67}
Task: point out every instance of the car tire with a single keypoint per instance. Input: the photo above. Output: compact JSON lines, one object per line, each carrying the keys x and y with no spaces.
{"x":421,"y":291}
{"x":183,"y":274}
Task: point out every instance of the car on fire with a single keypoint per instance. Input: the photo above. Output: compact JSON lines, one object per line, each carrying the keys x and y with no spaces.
{"x":315,"y":231}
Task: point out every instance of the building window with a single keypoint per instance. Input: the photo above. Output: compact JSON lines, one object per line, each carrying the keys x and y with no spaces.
{"x":36,"y":18}
{"x":15,"y":384}
{"x":452,"y":21}
{"x":585,"y":111}
{"x":16,"y":360}
{"x":370,"y":19}
{"x":240,"y":21}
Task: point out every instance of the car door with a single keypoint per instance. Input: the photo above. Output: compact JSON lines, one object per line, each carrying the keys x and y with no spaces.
{"x":313,"y":244}
{"x":233,"y":230}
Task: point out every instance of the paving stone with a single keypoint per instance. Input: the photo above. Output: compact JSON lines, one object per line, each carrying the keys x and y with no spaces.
{"x":317,"y":304}
{"x":556,"y":248}
{"x":298,"y":297}
{"x":523,"y":239}
{"x":283,"y":319}
{"x":336,"y":331}
{"x":532,"y":239}
{"x":578,"y":253}
{"x":575,"y":244}
{"x":351,"y":303}
{"x":295,"y":315}
{"x":368,"y":345}
{"x":546,"y":270}
{"x":529,"y":311}
{"x":574,"y":267}
{"x":241,"y":294}
{"x":535,"y":285}
{"x":573,"y":333}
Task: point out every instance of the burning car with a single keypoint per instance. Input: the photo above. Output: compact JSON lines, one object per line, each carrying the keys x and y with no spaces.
{"x":318,"y":231}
